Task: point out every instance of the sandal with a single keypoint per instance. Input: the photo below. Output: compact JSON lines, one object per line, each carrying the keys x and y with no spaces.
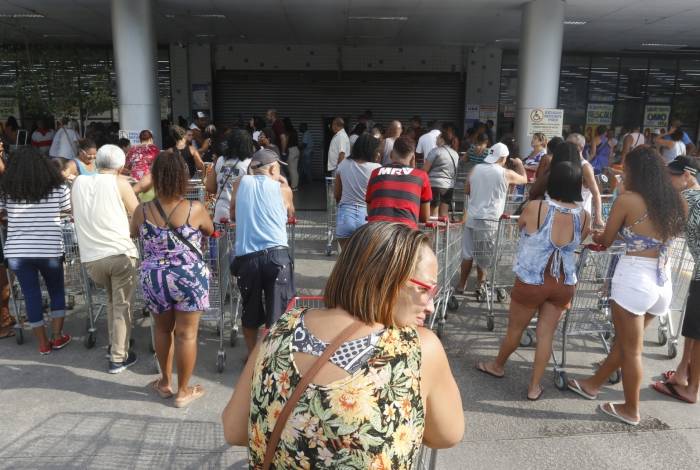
{"x":575,"y":387}
{"x":614,"y":414}
{"x":155,"y":385}
{"x":668,"y":374}
{"x":669,"y":390}
{"x":481,"y":367}
{"x":539,"y":395}
{"x":197,"y":392}
{"x":7,"y":332}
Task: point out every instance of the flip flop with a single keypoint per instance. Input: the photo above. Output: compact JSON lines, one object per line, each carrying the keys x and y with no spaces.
{"x":669,"y":391}
{"x":614,"y":414}
{"x":668,"y":374}
{"x":481,"y":367}
{"x":575,"y":387}
{"x":197,"y":392}
{"x":539,"y":395}
{"x":161,"y":393}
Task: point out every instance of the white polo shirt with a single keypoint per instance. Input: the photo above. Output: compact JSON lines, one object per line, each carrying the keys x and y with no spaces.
{"x":427,"y":142}
{"x":339,"y":143}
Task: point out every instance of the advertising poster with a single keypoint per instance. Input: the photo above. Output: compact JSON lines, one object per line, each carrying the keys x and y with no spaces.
{"x":656,"y":116}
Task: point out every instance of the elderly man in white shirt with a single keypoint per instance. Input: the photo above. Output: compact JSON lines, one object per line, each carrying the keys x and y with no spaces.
{"x":427,"y":143}
{"x":340,"y":144}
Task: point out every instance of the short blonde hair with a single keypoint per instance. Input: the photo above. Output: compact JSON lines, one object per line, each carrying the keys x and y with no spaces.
{"x":377,"y":261}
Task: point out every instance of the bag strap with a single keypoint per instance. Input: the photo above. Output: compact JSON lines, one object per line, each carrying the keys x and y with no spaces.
{"x":301,"y":387}
{"x":177,"y":234}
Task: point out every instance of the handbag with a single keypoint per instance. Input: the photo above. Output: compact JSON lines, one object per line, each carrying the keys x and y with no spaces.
{"x":175,"y":232}
{"x":301,"y":387}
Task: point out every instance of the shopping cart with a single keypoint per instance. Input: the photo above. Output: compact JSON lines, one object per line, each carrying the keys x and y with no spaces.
{"x":196,"y":191}
{"x":427,"y":457}
{"x":589,"y":314}
{"x":500,"y":271}
{"x":682,"y":270}
{"x":331,"y":208}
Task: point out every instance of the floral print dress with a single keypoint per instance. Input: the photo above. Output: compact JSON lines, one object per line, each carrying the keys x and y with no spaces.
{"x":372,"y":419}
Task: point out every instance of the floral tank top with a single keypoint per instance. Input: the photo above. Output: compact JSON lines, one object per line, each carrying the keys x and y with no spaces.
{"x":372,"y":419}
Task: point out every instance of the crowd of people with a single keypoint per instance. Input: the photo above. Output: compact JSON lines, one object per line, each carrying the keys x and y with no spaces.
{"x":388,"y":387}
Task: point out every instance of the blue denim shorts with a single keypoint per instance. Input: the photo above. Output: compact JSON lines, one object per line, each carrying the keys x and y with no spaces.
{"x":349,"y":218}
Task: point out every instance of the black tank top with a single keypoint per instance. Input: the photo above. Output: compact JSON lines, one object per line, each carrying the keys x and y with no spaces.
{"x":186,"y":155}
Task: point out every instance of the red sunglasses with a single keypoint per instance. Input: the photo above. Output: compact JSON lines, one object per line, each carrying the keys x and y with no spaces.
{"x":431,"y":290}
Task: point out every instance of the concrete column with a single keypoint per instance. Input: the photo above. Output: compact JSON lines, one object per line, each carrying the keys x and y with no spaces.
{"x":483,"y":81}
{"x":180,"y":81}
{"x":200,"y":67}
{"x":542,"y":34}
{"x":136,"y":66}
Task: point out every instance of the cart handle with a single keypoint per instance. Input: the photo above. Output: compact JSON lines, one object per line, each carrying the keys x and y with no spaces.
{"x":594,"y":247}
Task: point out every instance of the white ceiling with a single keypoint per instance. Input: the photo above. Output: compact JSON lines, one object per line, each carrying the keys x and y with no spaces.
{"x":613,"y":25}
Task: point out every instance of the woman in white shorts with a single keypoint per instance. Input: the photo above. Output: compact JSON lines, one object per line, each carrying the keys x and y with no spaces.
{"x":646,"y":217}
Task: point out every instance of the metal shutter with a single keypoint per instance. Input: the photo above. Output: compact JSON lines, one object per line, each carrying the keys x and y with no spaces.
{"x":312,"y":96}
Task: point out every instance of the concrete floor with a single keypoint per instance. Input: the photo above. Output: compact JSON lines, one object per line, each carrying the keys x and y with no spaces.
{"x":65,"y":411}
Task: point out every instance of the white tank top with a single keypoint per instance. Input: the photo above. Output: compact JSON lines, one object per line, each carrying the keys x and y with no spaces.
{"x":586,"y":193}
{"x":101,"y":222}
{"x":637,"y":139}
{"x":488,"y":189}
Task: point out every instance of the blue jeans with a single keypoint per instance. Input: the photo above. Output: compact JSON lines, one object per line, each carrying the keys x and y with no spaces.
{"x":350,"y":217}
{"x":27,"y":271}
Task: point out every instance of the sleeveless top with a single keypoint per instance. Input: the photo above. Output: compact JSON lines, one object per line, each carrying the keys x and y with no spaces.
{"x":373,"y":418}
{"x":636,"y":243}
{"x":186,"y":155}
{"x":162,"y":249}
{"x":101,"y":222}
{"x":488,"y":191}
{"x":261,"y":217}
{"x":228,"y":171}
{"x":83,"y":169}
{"x":536,"y":249}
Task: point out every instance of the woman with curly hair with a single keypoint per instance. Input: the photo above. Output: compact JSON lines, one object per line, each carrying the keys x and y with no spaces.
{"x":33,"y":194}
{"x":647,"y":216}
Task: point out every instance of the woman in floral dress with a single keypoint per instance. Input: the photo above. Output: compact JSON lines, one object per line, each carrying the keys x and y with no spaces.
{"x":387,"y":389}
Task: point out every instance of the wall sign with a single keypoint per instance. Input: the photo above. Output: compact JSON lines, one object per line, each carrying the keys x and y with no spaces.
{"x":549,"y":122}
{"x":656,"y":116}
{"x":599,"y":114}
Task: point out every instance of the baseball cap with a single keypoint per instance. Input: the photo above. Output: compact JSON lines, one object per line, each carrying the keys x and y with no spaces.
{"x":496,"y":152}
{"x":264,"y":157}
{"x":683,"y":163}
{"x":201,"y":114}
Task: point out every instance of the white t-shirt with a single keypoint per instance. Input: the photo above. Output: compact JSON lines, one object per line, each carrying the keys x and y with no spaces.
{"x":65,"y":144}
{"x":34,"y":229}
{"x":488,"y":189}
{"x":427,"y":142}
{"x":340,"y":143}
{"x":227,"y":172}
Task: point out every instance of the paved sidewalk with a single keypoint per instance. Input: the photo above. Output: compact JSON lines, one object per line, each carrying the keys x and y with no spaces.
{"x":64,"y":411}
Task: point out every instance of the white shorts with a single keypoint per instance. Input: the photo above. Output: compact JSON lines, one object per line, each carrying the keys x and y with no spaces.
{"x":634,"y":286}
{"x":479,"y":241}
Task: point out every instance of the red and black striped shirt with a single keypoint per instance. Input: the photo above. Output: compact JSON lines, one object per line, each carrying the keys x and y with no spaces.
{"x":395,"y":193}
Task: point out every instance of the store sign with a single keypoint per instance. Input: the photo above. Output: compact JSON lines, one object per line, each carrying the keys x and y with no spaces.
{"x":200,"y":96}
{"x":488,"y":112}
{"x":599,"y":114}
{"x":547,"y":121}
{"x":656,"y":116}
{"x":133,"y":136}
{"x":471,"y":111}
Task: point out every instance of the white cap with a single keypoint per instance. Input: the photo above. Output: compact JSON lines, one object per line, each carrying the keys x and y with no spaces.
{"x":194,"y":126}
{"x":496,"y":152}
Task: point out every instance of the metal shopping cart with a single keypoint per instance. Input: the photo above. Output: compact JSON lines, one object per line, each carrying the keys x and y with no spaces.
{"x":331,"y":209}
{"x":589,"y":314}
{"x":682,"y":270}
{"x":427,"y":457}
{"x":500,"y":271}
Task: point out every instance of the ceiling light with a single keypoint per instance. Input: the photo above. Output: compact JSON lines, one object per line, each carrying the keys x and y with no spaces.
{"x":661,"y":44}
{"x":507,"y":40}
{"x":203,"y":35}
{"x":210,"y":15}
{"x":378,"y":18}
{"x":59,"y":35}
{"x":169,"y":16}
{"x":21,"y":15}
{"x":575,"y":22}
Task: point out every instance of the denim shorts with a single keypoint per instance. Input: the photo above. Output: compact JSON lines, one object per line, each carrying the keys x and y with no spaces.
{"x":350,"y":217}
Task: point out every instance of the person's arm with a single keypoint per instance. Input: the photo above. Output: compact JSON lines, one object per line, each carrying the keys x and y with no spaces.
{"x":237,"y":412}
{"x":444,"y":417}
{"x":626,"y":145}
{"x":145,"y":184}
{"x":201,"y":218}
{"x":70,"y":171}
{"x":210,"y":180}
{"x":234,"y":193}
{"x":424,"y":215}
{"x":668,"y":143}
{"x":341,"y":157}
{"x":136,"y":221}
{"x":590,"y":182}
{"x":586,"y":230}
{"x":288,"y":198}
{"x":539,"y":187}
{"x":127,"y":194}
{"x":519,"y":167}
{"x":515,"y":178}
{"x":284,"y":141}
{"x":198,"y":162}
{"x":616,"y":220}
{"x":338,"y":187}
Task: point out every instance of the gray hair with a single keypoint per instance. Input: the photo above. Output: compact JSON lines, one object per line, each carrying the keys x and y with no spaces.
{"x":578,"y":139}
{"x":110,"y":157}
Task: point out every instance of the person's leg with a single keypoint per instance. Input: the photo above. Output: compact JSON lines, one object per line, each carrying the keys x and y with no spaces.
{"x":467,"y":258}
{"x":547,"y":321}
{"x":680,"y":376}
{"x":163,"y":336}
{"x":293,"y":163}
{"x":444,"y":210}
{"x":186,"y":328}
{"x":100,"y":275}
{"x":518,"y":319}
{"x":248,"y":278}
{"x":28,"y":277}
{"x":7,"y":322}
{"x":278,"y":285}
{"x":122,"y":285}
{"x":52,"y":272}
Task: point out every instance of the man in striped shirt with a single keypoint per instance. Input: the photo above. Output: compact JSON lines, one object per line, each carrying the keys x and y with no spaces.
{"x":397,"y":192}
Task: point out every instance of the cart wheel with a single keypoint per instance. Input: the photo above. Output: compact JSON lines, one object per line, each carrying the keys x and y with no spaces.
{"x":607,"y":335}
{"x":672,"y":350}
{"x":490,"y":324}
{"x":90,"y":340}
{"x":615,"y":377}
{"x":220,"y":362}
{"x":663,"y":337}
{"x":500,"y":295}
{"x":478,"y":296}
{"x":453,"y":303}
{"x":145,"y":312}
{"x":440,"y":329}
{"x":329,"y":250}
{"x":527,"y":338}
{"x":70,"y":304}
{"x":233,"y":339}
{"x":560,"y":380}
{"x":19,"y":335}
